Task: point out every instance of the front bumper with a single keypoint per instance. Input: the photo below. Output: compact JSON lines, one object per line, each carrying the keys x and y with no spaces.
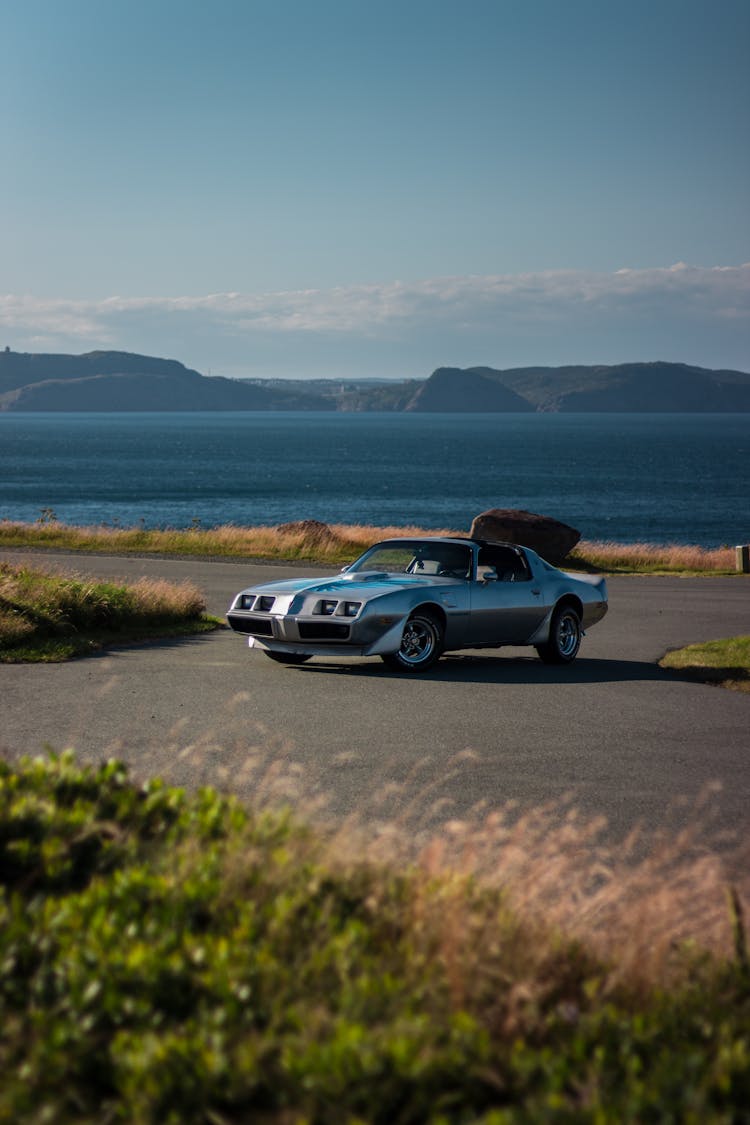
{"x":320,"y":636}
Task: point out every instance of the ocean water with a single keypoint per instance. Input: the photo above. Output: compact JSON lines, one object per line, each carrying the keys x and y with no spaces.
{"x":682,"y":478}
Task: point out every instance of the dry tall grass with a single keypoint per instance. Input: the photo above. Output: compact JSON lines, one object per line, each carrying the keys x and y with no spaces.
{"x":636,"y":903}
{"x":654,"y":557}
{"x":633,"y":904}
{"x":155,"y":597}
{"x":342,"y":543}
{"x":57,"y":594}
{"x":53,"y":616}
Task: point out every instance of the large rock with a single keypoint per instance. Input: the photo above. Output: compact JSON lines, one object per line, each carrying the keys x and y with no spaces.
{"x":313,"y":530}
{"x":549,"y":538}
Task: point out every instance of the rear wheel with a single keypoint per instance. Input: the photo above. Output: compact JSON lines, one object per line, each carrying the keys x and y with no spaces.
{"x":564,"y":637}
{"x":287,"y":657}
{"x":421,"y":645}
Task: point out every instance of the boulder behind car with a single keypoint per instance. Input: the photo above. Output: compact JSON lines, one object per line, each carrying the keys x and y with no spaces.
{"x":548,"y":537}
{"x":313,"y":531}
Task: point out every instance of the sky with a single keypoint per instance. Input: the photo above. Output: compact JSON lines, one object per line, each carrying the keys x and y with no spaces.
{"x":351,"y":188}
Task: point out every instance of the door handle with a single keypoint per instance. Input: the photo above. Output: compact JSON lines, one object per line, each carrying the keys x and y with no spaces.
{"x":536,"y":592}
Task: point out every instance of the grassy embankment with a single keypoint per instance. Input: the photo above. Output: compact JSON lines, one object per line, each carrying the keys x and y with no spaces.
{"x":341,"y":544}
{"x":50,"y":617}
{"x":724,"y":662}
{"x":176,"y":959}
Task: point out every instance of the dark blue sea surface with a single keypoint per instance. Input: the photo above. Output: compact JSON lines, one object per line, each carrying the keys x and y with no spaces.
{"x":681,"y":478}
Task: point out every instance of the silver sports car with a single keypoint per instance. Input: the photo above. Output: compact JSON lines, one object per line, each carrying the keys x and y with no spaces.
{"x":410,"y":600}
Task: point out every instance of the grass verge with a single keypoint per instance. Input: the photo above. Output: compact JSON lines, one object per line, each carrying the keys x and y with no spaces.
{"x":336,"y":544}
{"x":52,"y":617}
{"x":652,"y":558}
{"x":723,"y":662}
{"x":175,"y":959}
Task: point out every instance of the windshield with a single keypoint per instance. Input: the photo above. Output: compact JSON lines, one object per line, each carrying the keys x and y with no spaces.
{"x":417,"y":556}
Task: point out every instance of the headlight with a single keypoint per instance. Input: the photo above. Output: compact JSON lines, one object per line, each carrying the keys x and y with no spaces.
{"x":246,"y":601}
{"x":327,"y":607}
{"x":351,"y":609}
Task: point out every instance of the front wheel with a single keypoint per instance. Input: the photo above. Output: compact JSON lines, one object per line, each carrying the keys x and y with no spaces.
{"x":287,"y":657}
{"x":564,"y":637}
{"x":421,"y":645}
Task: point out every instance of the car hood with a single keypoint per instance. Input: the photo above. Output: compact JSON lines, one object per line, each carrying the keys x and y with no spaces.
{"x":357,"y":587}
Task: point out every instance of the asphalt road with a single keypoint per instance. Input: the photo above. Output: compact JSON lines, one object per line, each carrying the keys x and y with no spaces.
{"x":628,"y":740}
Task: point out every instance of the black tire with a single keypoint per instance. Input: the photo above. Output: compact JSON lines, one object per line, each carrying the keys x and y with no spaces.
{"x":287,"y":657}
{"x":564,"y":637}
{"x":421,"y":644}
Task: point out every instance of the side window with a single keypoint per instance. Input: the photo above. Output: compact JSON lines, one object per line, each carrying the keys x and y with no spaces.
{"x":509,"y":564}
{"x":521,"y":572}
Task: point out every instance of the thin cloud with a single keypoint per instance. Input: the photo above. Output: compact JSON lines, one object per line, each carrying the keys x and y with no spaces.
{"x":497,"y":307}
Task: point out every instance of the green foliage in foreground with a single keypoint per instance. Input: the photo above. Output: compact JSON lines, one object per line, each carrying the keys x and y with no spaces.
{"x":50,"y":617}
{"x":725,"y":662}
{"x":175,"y":958}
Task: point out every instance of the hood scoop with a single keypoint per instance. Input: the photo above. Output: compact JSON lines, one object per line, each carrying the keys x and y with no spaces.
{"x":365,"y":576}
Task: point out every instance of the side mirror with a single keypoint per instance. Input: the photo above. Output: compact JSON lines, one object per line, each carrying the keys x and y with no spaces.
{"x":490,"y":575}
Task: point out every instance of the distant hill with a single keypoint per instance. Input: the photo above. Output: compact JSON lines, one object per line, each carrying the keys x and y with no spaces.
{"x":631,"y":387}
{"x":124,"y":381}
{"x":450,"y":390}
{"x":626,"y":387}
{"x":20,"y":369}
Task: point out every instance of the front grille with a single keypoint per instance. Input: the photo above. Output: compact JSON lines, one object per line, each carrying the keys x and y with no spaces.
{"x":322,"y":631}
{"x":253,"y":626}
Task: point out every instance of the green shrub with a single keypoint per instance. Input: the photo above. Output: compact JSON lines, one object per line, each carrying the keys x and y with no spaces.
{"x":180,"y":958}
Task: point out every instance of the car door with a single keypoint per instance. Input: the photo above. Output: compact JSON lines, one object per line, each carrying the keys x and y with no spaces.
{"x":509,"y":608}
